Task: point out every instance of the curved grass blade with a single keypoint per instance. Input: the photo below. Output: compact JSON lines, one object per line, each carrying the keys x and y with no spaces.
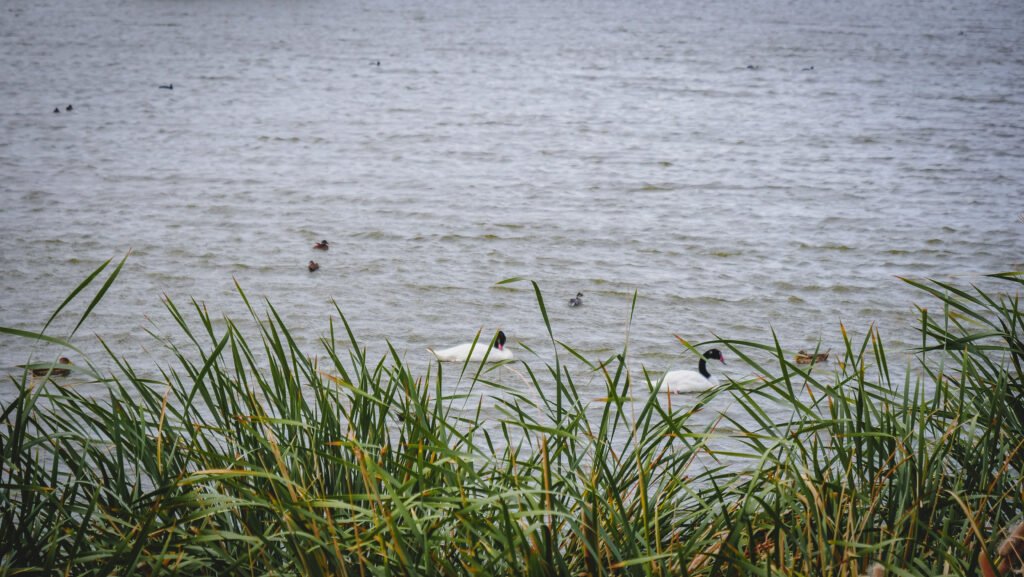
{"x":99,"y":295}
{"x":81,"y":286}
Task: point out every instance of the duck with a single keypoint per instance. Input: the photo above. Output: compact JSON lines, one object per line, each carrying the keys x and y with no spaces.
{"x":313,"y":266}
{"x":54,"y":371}
{"x":475,"y":352}
{"x":69,"y":108}
{"x":167,"y":86}
{"x":805,"y":358}
{"x":322,"y":245}
{"x":693,"y":381}
{"x":56,"y":110}
{"x":577,"y":300}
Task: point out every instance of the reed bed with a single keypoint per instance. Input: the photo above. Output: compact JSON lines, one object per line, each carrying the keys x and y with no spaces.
{"x":252,"y":457}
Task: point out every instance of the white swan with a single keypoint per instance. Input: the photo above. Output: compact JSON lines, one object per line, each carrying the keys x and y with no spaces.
{"x":693,"y":381}
{"x":475,"y":352}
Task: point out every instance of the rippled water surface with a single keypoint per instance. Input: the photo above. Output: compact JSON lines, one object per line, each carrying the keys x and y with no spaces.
{"x":742,"y":166}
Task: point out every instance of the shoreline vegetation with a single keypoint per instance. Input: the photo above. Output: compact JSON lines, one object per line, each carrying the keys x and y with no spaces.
{"x":252,"y":457}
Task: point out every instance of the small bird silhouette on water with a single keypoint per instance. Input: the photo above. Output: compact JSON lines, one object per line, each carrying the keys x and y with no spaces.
{"x":167,"y":86}
{"x":69,"y":108}
{"x":313,"y":266}
{"x":56,"y":110}
{"x":322,"y":245}
{"x":577,"y":300}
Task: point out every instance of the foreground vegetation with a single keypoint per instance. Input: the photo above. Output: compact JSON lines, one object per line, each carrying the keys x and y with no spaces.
{"x":252,"y":457}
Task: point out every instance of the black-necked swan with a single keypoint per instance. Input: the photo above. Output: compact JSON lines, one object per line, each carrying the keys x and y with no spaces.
{"x":475,"y":352}
{"x":577,"y":301}
{"x":693,"y":381}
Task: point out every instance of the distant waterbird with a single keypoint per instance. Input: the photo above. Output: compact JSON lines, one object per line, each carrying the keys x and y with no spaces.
{"x":167,"y":86}
{"x":313,"y":266}
{"x":322,"y":245}
{"x":577,"y":300}
{"x":69,"y":108}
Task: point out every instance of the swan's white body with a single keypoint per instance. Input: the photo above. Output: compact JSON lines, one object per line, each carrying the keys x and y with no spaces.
{"x":459,"y":353}
{"x":693,"y":381}
{"x":687,"y":382}
{"x":475,"y":352}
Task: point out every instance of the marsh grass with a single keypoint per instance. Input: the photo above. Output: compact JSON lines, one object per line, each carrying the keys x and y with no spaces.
{"x":252,"y":457}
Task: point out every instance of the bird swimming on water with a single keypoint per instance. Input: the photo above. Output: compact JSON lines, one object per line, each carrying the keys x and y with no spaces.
{"x":577,"y":300}
{"x":313,"y":266}
{"x":475,"y":351}
{"x":693,"y":381}
{"x":167,"y":86}
{"x":805,"y":358}
{"x":54,"y":371}
{"x":322,"y":245}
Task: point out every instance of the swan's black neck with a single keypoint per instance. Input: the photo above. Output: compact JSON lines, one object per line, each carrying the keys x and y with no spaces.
{"x":703,"y":368}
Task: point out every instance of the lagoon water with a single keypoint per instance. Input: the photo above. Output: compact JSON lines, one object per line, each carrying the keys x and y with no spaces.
{"x":741,"y":166}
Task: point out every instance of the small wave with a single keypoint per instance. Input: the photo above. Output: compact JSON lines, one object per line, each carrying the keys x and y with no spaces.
{"x":376,"y":235}
{"x":836,"y":247}
{"x":472,"y":238}
{"x":648,"y":187}
{"x":266,"y":138}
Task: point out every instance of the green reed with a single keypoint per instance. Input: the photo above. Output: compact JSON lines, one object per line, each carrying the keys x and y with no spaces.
{"x":252,"y":457}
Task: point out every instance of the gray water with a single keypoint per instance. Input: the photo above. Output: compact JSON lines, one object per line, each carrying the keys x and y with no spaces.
{"x":741,"y":166}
